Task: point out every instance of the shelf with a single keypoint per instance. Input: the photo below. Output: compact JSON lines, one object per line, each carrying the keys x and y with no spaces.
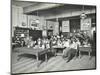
{"x":19,"y":31}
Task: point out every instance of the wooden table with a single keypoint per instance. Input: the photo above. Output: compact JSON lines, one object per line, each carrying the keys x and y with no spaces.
{"x":56,"y":48}
{"x":37,"y":52}
{"x":85,"y":49}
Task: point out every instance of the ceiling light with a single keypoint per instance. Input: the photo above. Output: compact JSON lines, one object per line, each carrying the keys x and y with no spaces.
{"x":83,"y":15}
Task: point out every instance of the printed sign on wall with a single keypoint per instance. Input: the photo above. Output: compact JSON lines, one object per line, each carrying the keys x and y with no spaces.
{"x":65,"y":26}
{"x":56,"y":28}
{"x":86,"y":24}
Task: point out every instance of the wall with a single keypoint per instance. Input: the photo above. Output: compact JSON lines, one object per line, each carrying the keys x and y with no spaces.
{"x":18,"y":18}
{"x":32,"y":18}
{"x":22,"y":20}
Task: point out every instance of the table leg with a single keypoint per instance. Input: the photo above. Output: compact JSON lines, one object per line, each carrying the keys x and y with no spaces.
{"x":89,"y":54}
{"x":46,"y":57}
{"x":55,"y":51}
{"x":79,"y":54}
{"x":37,"y":58}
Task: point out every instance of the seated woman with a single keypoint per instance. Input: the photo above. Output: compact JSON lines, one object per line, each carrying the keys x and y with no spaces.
{"x":30,"y":42}
{"x":59,"y":42}
{"x":18,"y":41}
{"x":70,"y":51}
{"x":54,"y":42}
{"x":39,"y":42}
{"x":78,"y":44}
{"x":46,"y":43}
{"x":66,"y":45}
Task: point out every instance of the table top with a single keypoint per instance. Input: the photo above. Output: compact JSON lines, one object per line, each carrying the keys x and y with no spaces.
{"x":86,"y":48}
{"x":30,"y":50}
{"x":56,"y":46}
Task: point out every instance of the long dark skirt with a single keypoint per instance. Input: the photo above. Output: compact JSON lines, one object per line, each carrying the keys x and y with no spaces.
{"x":69,"y":53}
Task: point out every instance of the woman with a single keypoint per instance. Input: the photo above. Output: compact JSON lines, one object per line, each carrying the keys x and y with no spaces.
{"x":66,"y":45}
{"x":39,"y":42}
{"x":59,"y":43}
{"x":71,"y":50}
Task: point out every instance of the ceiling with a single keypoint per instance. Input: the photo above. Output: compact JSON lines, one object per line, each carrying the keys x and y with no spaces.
{"x":48,"y":9}
{"x":38,"y":5}
{"x":23,"y":3}
{"x":61,"y":9}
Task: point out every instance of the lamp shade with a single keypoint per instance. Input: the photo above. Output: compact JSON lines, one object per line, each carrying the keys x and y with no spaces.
{"x":83,"y":16}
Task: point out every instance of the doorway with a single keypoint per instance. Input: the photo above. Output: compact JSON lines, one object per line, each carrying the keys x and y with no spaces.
{"x":74,"y":25}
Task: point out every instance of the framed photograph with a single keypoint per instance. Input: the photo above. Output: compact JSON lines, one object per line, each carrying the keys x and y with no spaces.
{"x":57,"y":37}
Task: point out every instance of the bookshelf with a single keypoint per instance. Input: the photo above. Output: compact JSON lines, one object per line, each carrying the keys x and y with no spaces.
{"x":18,"y":31}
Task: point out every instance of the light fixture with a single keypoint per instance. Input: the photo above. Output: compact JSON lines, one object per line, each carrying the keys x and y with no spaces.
{"x":37,"y":20}
{"x":83,"y":15}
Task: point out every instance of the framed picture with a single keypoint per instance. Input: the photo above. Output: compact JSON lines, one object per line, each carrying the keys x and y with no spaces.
{"x":70,"y":37}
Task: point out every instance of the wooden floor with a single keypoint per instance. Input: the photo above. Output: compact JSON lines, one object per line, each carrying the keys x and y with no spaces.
{"x":28,"y":64}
